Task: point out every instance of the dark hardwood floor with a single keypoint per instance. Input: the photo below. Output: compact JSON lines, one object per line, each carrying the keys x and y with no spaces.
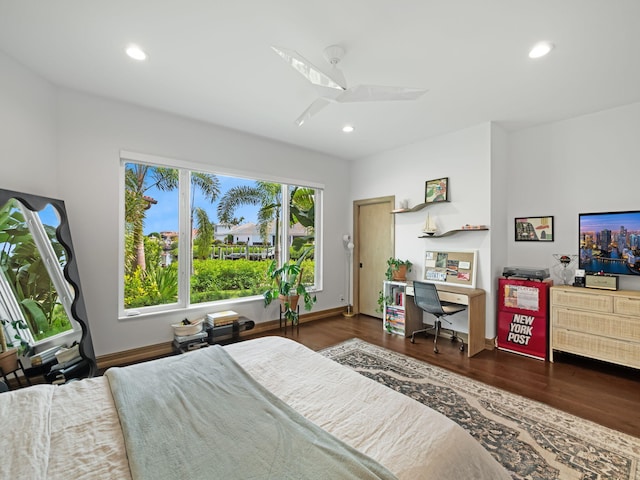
{"x":600,"y":392}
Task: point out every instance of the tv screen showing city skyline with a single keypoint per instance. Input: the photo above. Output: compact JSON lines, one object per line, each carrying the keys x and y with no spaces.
{"x":609,"y":242}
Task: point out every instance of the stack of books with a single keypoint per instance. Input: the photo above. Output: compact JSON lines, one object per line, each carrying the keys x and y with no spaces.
{"x":218,"y":319}
{"x":67,"y":357}
{"x":185,"y":343}
{"x":44,"y":357}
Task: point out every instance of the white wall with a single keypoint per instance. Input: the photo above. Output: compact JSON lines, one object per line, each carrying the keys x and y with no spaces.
{"x":65,"y":144}
{"x":499,"y":202}
{"x":27,"y":131}
{"x":93,"y":130}
{"x":584,"y":164}
{"x":465,"y":158}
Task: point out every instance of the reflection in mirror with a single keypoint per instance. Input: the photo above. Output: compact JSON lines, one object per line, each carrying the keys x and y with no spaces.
{"x":32,"y":259}
{"x":41,"y":304}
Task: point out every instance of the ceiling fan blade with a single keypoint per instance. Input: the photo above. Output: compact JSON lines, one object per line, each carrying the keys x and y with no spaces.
{"x":314,"y":108}
{"x":371,"y":93}
{"x":307,"y":69}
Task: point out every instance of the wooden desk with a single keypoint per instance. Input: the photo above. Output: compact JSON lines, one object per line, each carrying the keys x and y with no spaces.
{"x":474,"y":298}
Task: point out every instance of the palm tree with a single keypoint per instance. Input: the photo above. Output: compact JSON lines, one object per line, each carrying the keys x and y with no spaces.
{"x":302,"y":210}
{"x":203,"y":242}
{"x":269,"y":197}
{"x":265,"y":194}
{"x":138,"y":180}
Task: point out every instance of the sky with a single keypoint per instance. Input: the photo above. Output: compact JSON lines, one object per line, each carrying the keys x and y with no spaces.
{"x":163,"y":216}
{"x":49,"y":216}
{"x":610,"y":221}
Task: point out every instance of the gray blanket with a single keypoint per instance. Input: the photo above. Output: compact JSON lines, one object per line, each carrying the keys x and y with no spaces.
{"x":201,"y":416}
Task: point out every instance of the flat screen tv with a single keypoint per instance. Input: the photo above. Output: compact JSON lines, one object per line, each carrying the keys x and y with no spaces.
{"x":610,"y":242}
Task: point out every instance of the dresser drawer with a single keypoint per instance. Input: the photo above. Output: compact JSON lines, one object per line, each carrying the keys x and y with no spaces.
{"x":586,"y":301}
{"x":627,"y":305}
{"x":610,"y":326}
{"x":600,"y":348}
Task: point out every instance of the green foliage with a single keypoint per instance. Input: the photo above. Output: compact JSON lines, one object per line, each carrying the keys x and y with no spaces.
{"x":308,"y":269}
{"x":222,"y":279}
{"x":204,"y":240}
{"x":155,"y":286}
{"x":393,"y":264}
{"x":153,"y":249}
{"x":286,"y":282}
{"x":18,"y":326}
{"x":211,"y":280}
{"x":382,"y":299}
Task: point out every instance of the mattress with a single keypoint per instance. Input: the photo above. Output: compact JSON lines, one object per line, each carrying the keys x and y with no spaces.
{"x":73,"y":430}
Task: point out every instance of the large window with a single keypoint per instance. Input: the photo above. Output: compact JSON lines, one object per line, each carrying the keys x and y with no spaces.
{"x":192,"y":236}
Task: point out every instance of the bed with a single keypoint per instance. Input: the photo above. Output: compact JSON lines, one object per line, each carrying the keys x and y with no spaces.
{"x":159,"y":420}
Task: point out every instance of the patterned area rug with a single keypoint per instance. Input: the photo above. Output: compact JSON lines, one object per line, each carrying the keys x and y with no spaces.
{"x":531,"y":440}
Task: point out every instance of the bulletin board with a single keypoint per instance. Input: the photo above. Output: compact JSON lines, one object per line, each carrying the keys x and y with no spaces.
{"x":451,"y":267}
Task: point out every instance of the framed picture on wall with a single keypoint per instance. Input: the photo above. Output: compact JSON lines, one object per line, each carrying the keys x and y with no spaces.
{"x":436,"y":190}
{"x":534,"y":229}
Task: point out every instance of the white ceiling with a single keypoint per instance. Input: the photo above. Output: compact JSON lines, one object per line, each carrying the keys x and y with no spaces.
{"x":210,"y":60}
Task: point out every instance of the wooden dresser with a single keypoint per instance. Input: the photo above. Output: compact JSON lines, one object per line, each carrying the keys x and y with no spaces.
{"x":599,"y":324}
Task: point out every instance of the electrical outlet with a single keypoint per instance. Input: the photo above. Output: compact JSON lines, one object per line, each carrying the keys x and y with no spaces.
{"x":341,"y":298}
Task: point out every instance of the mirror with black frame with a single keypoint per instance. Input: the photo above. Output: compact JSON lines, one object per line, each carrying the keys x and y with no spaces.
{"x":42,"y":312}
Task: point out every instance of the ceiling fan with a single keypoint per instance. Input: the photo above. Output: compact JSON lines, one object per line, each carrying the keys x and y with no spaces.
{"x":333,"y":87}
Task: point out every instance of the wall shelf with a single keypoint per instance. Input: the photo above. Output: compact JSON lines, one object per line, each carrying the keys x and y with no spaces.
{"x":451,"y":232}
{"x":415,"y":208}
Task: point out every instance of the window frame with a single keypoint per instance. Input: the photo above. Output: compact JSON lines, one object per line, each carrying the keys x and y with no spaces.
{"x":185,"y":168}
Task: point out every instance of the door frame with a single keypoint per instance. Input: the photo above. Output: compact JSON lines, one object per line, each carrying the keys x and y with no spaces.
{"x":391,"y":201}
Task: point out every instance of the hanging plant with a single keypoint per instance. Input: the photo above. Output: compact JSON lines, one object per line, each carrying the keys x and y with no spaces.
{"x":397,"y":269}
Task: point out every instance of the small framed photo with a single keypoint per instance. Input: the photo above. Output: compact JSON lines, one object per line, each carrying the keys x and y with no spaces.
{"x":436,"y":190}
{"x":534,"y":229}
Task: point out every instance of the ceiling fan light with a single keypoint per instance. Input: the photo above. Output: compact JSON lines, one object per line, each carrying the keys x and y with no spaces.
{"x":136,"y":53}
{"x":540,"y":50}
{"x":334,"y":54}
{"x":307,"y":69}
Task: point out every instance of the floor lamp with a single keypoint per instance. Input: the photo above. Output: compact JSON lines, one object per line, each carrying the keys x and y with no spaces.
{"x":349,"y":245}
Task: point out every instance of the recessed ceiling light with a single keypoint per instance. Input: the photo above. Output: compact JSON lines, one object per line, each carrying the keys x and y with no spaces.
{"x":348,"y":128}
{"x":540,"y":50}
{"x":136,"y":53}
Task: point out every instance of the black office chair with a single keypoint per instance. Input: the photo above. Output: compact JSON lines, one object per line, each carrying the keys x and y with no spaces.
{"x":426,"y":297}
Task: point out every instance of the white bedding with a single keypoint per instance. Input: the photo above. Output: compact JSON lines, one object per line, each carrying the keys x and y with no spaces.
{"x":81,"y":438}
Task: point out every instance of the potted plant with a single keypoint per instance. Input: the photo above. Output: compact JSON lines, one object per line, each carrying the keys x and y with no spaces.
{"x":397,"y":269}
{"x":286,"y":285}
{"x":9,"y":353}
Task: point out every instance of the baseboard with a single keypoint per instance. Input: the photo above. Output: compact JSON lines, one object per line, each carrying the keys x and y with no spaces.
{"x":490,"y":343}
{"x":149,"y":352}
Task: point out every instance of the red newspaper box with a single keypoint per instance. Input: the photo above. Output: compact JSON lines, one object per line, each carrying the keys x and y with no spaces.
{"x":523,"y":316}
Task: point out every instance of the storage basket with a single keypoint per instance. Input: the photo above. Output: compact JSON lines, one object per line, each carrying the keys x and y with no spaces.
{"x":188,"y":329}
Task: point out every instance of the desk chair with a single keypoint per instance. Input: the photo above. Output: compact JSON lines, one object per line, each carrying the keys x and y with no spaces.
{"x":426,"y":297}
